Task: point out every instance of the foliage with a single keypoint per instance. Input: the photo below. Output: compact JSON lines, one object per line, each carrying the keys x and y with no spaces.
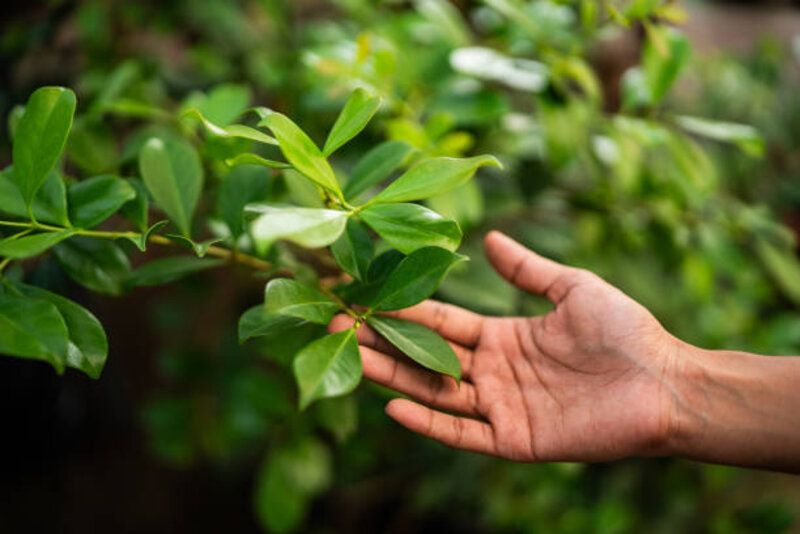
{"x":362,"y":209}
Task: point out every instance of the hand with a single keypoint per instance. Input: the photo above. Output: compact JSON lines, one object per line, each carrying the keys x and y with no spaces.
{"x":590,"y":381}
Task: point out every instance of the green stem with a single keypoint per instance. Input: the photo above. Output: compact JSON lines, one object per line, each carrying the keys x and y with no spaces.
{"x":4,"y":264}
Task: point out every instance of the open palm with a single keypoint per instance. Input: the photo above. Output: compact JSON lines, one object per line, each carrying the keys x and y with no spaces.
{"x":589,"y":381}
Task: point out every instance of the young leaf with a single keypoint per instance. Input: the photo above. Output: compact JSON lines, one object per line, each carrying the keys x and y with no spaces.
{"x":416,"y":278}
{"x":223,"y":104}
{"x":432,"y":177}
{"x":166,"y":270}
{"x":88,"y":347}
{"x":744,"y":136}
{"x":94,"y":200}
{"x":353,"y":250}
{"x":376,"y":166}
{"x":31,"y":245}
{"x":408,"y":227}
{"x":49,"y":205}
{"x":200,"y":248}
{"x":301,"y":151}
{"x":141,"y":240}
{"x":288,"y":297}
{"x":255,"y":159}
{"x":40,"y":137}
{"x":244,"y":185}
{"x":237,"y":131}
{"x":661,"y":70}
{"x":33,"y":328}
{"x":328,"y":367}
{"x":421,"y":344}
{"x":97,"y":264}
{"x":309,"y":227}
{"x":172,"y":173}
{"x":355,"y":115}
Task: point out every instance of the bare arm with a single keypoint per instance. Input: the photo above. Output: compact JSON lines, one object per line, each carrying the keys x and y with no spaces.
{"x":596,"y":379}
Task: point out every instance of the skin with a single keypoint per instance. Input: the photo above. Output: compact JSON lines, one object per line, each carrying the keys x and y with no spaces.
{"x":596,"y":379}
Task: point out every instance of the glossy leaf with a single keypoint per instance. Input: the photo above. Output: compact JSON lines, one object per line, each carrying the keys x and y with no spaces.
{"x":289,"y":297}
{"x":416,"y":278}
{"x":49,"y":205}
{"x":237,"y":131}
{"x":172,"y":173}
{"x":40,"y":137}
{"x":309,"y":227}
{"x":258,"y":322}
{"x":421,"y":344}
{"x":353,"y":250}
{"x":166,"y":270}
{"x":408,"y":227}
{"x":31,"y":245}
{"x":301,"y":151}
{"x":97,"y":264}
{"x":376,"y":166}
{"x":244,"y":185}
{"x":357,"y":112}
{"x":255,"y":159}
{"x":94,"y":200}
{"x":432,"y":177}
{"x":328,"y":367}
{"x":33,"y":328}
{"x":88,"y":347}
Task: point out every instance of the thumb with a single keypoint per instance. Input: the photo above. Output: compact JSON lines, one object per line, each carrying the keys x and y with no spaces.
{"x":522,"y":267}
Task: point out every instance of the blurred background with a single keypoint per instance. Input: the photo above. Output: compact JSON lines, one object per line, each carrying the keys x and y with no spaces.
{"x":188,"y":431}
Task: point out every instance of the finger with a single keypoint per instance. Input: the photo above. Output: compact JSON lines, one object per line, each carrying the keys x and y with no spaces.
{"x":459,"y":432}
{"x":454,"y":323}
{"x":524,"y":268}
{"x":433,"y":389}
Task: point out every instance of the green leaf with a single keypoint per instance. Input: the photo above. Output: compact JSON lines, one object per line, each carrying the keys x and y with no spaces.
{"x":257,"y":322}
{"x":31,"y":245}
{"x":339,"y":416}
{"x":301,"y":151}
{"x":421,"y":344}
{"x":408,"y":227}
{"x":309,"y":227}
{"x":88,"y":347}
{"x":97,"y":264}
{"x":40,"y":137}
{"x":376,"y":166}
{"x":353,"y":250}
{"x":289,"y":297}
{"x":14,"y":117}
{"x":233,"y":131}
{"x":33,"y":328}
{"x":416,"y":278}
{"x":464,"y":204}
{"x":328,"y":367}
{"x":366,"y":291}
{"x":661,"y":69}
{"x":357,"y":112}
{"x":283,"y":336}
{"x":94,"y":200}
{"x":200,"y":248}
{"x":432,"y":177}
{"x":289,"y":478}
{"x":141,"y":240}
{"x":137,"y":209}
{"x":743,"y":136}
{"x":92,"y":148}
{"x":255,"y":159}
{"x":172,"y":173}
{"x":223,"y":104}
{"x":49,"y":206}
{"x":783,"y":266}
{"x":166,"y":270}
{"x":244,"y":185}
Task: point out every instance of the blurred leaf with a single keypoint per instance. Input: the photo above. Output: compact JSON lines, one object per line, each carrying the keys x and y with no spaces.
{"x":14,"y":116}
{"x":223,"y":104}
{"x":166,"y":270}
{"x":419,"y":343}
{"x":784,"y":267}
{"x":244,"y":185}
{"x":283,"y":296}
{"x":33,"y":328}
{"x":464,"y":204}
{"x":49,"y":206}
{"x":301,"y":151}
{"x":94,"y":200}
{"x":446,"y":18}
{"x":744,"y":136}
{"x":238,"y":131}
{"x":339,"y":416}
{"x":40,"y":137}
{"x":408,"y":227}
{"x":99,"y":265}
{"x":661,"y":70}
{"x":432,"y":177}
{"x":353,"y":250}
{"x":173,"y":174}
{"x":255,"y":159}
{"x":137,"y":209}
{"x":308,"y":227}
{"x":376,"y":166}
{"x":416,"y":278}
{"x":355,"y":115}
{"x":328,"y":367}
{"x":88,"y":347}
{"x":92,"y":148}
{"x":31,"y":245}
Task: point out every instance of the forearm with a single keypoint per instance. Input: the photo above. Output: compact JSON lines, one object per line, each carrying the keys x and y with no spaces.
{"x":737,"y":408}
